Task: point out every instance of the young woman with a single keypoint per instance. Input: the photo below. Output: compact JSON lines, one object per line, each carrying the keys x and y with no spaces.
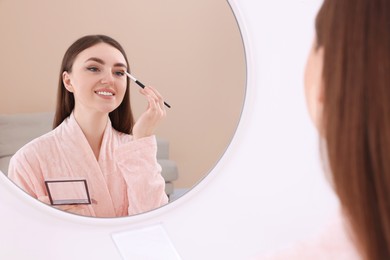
{"x":95,"y":137}
{"x":353,"y":42}
{"x":347,"y":87}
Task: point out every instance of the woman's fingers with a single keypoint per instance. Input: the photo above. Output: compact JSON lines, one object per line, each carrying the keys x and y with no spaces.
{"x":155,"y":112}
{"x":158,"y":100}
{"x":158,"y":96}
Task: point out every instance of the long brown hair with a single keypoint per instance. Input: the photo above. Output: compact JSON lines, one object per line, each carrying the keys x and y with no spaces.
{"x":355,"y":35}
{"x":122,"y":117}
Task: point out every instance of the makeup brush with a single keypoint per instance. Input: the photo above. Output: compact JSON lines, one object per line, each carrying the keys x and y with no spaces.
{"x":141,"y":85}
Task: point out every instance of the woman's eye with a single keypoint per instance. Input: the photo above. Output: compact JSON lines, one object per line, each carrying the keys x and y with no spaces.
{"x":93,"y":69}
{"x":120,"y":73}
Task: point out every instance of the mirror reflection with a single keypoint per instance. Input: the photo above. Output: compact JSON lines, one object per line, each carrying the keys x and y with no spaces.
{"x":198,"y":65}
{"x":95,"y":139}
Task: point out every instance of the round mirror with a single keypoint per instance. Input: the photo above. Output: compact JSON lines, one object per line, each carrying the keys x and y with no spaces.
{"x":191,"y":51}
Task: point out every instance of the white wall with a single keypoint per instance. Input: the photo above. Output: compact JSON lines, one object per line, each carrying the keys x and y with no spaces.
{"x":267,"y":190}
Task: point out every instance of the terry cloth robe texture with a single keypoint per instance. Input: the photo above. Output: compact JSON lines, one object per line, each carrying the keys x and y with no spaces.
{"x":125,"y":180}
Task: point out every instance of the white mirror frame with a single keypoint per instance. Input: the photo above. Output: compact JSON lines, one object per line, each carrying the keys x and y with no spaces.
{"x":266,"y":191}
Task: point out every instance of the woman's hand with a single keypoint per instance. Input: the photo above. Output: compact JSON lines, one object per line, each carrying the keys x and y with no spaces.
{"x":155,"y":112}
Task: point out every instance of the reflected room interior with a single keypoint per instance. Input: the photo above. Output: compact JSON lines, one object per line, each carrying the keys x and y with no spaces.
{"x":191,"y":51}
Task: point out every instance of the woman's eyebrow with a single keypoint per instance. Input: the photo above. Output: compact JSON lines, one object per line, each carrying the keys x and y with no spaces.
{"x":120,"y":65}
{"x":98,"y":60}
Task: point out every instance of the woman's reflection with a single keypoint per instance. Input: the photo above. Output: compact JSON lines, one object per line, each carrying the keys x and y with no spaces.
{"x":95,"y":137}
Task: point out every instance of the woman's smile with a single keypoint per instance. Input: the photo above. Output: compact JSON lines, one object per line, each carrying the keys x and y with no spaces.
{"x":105,"y":93}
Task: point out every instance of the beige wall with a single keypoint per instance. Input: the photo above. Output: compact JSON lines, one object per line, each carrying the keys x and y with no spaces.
{"x":191,"y":51}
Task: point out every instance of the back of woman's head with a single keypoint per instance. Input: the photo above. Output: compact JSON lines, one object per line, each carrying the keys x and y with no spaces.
{"x":355,"y":36}
{"x":122,"y":117}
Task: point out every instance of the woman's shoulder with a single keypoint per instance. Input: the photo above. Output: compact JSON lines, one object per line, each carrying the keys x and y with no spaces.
{"x":334,"y":242}
{"x":34,"y":147}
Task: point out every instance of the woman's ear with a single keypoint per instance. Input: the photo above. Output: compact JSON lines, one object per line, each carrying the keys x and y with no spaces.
{"x":314,"y":85}
{"x":66,"y":81}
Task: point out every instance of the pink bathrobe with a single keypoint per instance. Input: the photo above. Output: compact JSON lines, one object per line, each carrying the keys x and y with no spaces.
{"x":125,"y":180}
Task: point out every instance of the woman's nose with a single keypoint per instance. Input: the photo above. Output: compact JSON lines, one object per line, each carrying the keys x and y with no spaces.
{"x":108,"y":78}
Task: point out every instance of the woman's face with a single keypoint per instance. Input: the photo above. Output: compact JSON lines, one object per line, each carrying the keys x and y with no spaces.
{"x":97,"y":79}
{"x":314,"y":84}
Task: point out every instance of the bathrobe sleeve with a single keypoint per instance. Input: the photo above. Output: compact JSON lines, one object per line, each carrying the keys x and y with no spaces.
{"x":24,"y":171}
{"x":19,"y":177}
{"x":40,"y":160}
{"x":145,"y":186}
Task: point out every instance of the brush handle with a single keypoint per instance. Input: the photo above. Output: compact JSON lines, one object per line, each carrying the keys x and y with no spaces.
{"x":140,"y":84}
{"x":143,"y":86}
